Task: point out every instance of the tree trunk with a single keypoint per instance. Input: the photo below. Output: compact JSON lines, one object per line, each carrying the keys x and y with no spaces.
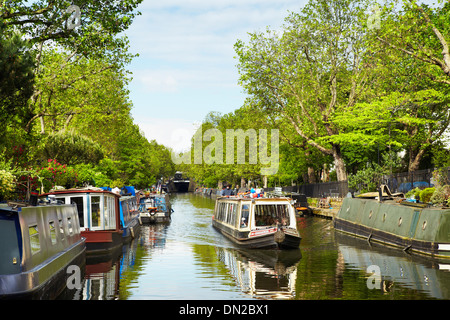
{"x":414,"y":159}
{"x":243,"y":183}
{"x":311,"y":175}
{"x":339,"y":163}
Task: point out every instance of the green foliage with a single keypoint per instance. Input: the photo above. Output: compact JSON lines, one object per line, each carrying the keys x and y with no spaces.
{"x":71,"y":148}
{"x":16,"y":80}
{"x":441,"y":196}
{"x":371,"y":177}
{"x":64,"y":97}
{"x":311,"y":70}
{"x":55,"y":174}
{"x":89,"y":174}
{"x":414,"y":193}
{"x":7,"y":184}
{"x":425,"y":194}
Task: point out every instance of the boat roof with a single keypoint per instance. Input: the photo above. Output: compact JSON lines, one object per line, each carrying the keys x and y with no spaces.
{"x":79,"y":190}
{"x":6,"y":210}
{"x":253,"y":199}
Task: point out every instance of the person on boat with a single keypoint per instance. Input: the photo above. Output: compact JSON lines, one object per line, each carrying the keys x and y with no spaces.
{"x":270,"y":220}
{"x":228,"y":191}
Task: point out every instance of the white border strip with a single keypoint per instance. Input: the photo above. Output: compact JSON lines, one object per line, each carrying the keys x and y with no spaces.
{"x":445,"y":247}
{"x":444,"y":267}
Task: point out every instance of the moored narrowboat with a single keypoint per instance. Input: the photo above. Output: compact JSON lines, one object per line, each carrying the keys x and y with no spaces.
{"x":129,"y":217}
{"x":37,"y":246}
{"x":155,"y":208}
{"x":257,"y":223}
{"x":99,"y":216}
{"x":411,"y":227}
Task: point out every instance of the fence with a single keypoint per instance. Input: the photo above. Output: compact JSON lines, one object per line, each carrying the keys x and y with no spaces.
{"x":397,"y":182}
{"x":333,"y":189}
{"x":405,"y":181}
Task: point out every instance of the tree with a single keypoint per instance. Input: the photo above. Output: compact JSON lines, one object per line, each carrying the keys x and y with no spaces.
{"x":410,"y":109}
{"x":311,"y":71}
{"x":46,"y":25}
{"x":419,"y":31}
{"x":95,"y":34}
{"x":71,"y":148}
{"x":72,"y":89}
{"x":16,"y":82}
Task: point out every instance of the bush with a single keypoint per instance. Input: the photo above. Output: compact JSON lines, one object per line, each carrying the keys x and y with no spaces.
{"x":415,"y":193}
{"x":425,"y":194}
{"x":56,"y":174}
{"x":7,"y":184}
{"x":440,"y":195}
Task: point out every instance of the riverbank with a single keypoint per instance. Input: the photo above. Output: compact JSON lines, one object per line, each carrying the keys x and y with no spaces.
{"x":325,"y":207}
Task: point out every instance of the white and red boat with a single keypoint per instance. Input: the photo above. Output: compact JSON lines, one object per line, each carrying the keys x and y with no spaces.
{"x":99,"y":216}
{"x":257,"y":222}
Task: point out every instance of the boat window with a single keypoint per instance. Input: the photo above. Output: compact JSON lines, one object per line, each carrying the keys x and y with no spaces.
{"x":95,"y":211}
{"x":109,"y":213}
{"x":231,"y":213}
{"x":220,"y":213}
{"x":35,"y":244}
{"x":61,"y":229}
{"x":271,"y":214}
{"x":125,"y":210}
{"x":78,"y":201}
{"x":223,"y":211}
{"x":244,"y":215}
{"x":69,"y":225}
{"x":60,"y":200}
{"x":52,"y":231}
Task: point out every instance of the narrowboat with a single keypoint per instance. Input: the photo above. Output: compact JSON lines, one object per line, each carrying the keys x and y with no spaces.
{"x":38,"y":244}
{"x":99,"y":216}
{"x":180,"y":183}
{"x":155,"y":208}
{"x":258,"y":222}
{"x":391,"y":221}
{"x":129,"y":217}
{"x":300,"y":201}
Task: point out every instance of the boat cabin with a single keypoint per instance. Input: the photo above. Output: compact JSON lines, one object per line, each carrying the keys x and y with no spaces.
{"x":254,"y":222}
{"x":248,"y":214}
{"x":98,"y":213}
{"x":37,"y":244}
{"x":129,"y":216}
{"x":155,"y":208}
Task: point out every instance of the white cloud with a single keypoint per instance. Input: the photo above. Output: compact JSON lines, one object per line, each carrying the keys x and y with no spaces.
{"x":156,"y":81}
{"x":174,"y":133}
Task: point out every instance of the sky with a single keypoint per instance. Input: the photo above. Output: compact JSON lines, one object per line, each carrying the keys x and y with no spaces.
{"x":186,"y":66}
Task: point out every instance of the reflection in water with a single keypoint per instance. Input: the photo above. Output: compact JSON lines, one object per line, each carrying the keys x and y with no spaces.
{"x":267,"y":274}
{"x":188,"y":259}
{"x":397,"y":269}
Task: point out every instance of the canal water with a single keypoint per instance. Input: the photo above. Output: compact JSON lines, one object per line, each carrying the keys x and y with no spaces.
{"x":189,"y":260}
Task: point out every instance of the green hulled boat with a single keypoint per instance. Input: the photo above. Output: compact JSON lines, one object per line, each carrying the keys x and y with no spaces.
{"x":409,"y":226}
